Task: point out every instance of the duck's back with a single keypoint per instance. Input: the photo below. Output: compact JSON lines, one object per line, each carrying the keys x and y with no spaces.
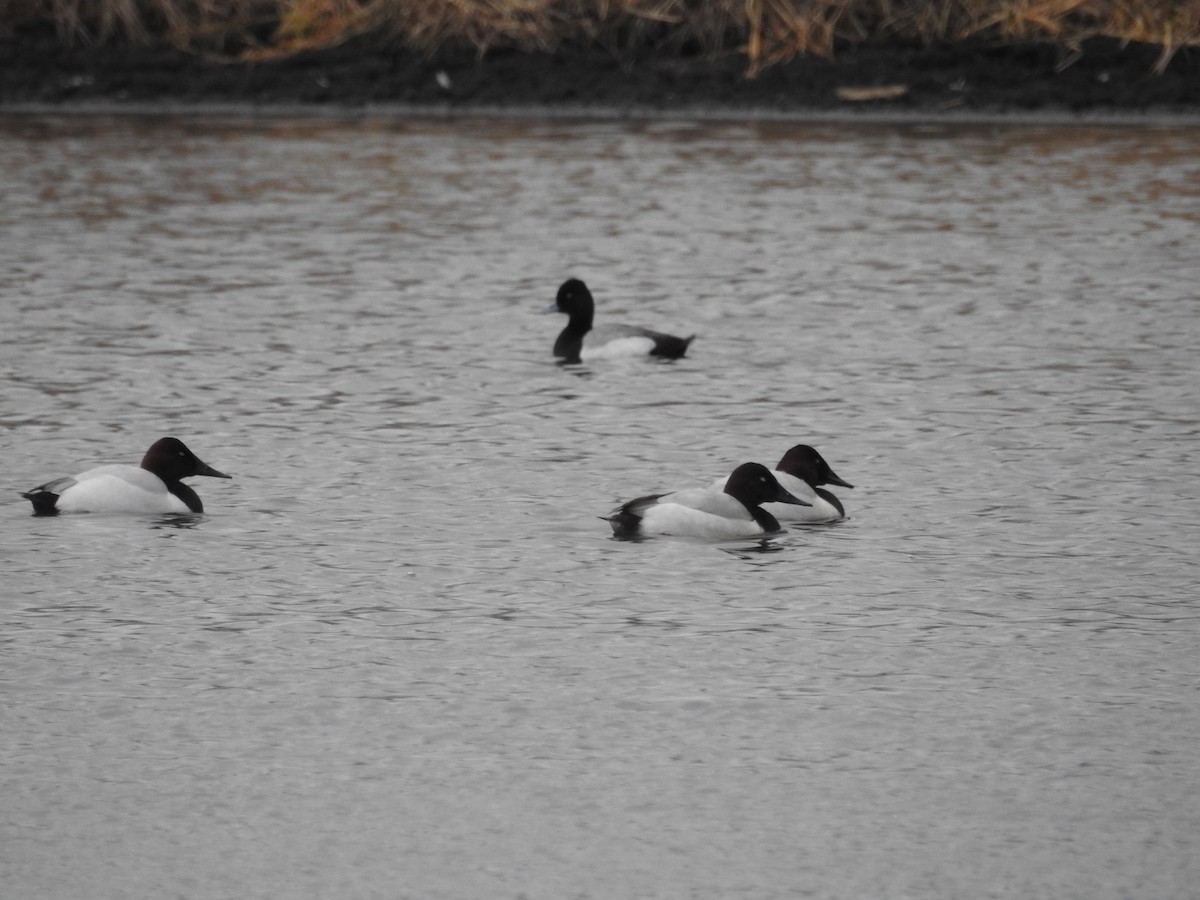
{"x":713,"y":501}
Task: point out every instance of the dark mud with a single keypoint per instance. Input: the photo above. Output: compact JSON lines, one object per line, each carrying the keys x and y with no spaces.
{"x":974,"y":77}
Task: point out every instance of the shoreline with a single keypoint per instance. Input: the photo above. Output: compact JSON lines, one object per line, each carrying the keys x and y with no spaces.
{"x":971,"y":81}
{"x":246,"y":112}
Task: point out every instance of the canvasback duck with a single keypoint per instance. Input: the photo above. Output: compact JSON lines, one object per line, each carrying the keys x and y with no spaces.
{"x":729,"y":512}
{"x":152,"y":487}
{"x":580,"y":340}
{"x":801,"y":473}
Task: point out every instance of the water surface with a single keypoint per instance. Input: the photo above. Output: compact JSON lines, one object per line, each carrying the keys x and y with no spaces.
{"x":401,"y":656}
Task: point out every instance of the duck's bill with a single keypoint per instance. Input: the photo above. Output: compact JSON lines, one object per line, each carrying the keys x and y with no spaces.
{"x":206,"y":469}
{"x":833,"y":479}
{"x":552,"y":308}
{"x":784,"y":497}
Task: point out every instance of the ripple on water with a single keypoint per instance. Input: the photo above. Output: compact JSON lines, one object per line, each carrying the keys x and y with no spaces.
{"x":403,"y":628}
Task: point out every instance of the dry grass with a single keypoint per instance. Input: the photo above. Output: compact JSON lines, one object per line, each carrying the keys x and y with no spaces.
{"x":765,"y":31}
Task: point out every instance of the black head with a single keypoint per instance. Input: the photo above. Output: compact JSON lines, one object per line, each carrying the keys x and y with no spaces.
{"x":753,"y":484}
{"x":171,"y":460}
{"x":805,"y":463}
{"x":575,"y":299}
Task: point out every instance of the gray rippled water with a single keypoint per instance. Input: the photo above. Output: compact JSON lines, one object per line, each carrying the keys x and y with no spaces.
{"x":401,"y":656}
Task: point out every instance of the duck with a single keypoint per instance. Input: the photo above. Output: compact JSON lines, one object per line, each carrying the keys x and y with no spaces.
{"x":733,"y":511}
{"x":580,"y":341}
{"x":154,"y":486}
{"x":801,"y":472}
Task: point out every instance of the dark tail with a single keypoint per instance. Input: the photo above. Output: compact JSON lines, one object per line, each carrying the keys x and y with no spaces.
{"x":668,"y":346}
{"x":44,"y":502}
{"x":626,"y":522}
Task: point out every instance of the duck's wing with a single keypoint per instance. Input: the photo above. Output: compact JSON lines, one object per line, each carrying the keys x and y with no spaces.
{"x":711,"y":500}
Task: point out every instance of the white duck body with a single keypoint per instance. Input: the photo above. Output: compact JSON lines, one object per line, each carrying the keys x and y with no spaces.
{"x":616,"y":342}
{"x":727,"y":511}
{"x":153,"y":487}
{"x":116,"y":488}
{"x":700,"y":512}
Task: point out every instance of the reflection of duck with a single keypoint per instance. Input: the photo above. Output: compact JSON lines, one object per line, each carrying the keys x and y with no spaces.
{"x":580,"y":341}
{"x":733,"y":510}
{"x":801,"y":472}
{"x":152,"y":487}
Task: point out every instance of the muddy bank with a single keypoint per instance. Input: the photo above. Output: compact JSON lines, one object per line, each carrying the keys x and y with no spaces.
{"x":972,"y":76}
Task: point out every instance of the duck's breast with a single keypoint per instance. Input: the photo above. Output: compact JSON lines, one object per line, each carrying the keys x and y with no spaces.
{"x":820,"y":511}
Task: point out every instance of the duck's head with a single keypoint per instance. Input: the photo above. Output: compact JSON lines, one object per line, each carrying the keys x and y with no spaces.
{"x":753,"y":485}
{"x":805,"y":463}
{"x":574,"y":299}
{"x":170,"y":459}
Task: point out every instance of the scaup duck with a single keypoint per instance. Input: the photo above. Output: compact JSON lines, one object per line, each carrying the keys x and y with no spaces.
{"x":801,"y":472}
{"x":580,"y":341}
{"x":152,"y":487}
{"x":729,"y":512}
